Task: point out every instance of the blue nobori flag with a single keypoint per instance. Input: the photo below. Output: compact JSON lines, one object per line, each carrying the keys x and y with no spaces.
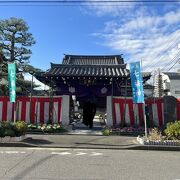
{"x":136,"y":82}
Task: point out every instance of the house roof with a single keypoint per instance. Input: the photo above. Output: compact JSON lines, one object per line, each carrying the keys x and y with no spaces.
{"x":92,"y":60}
{"x":88,"y":70}
{"x":173,"y":75}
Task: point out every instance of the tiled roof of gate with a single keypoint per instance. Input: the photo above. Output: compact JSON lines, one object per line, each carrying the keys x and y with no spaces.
{"x":92,"y":60}
{"x":90,"y":70}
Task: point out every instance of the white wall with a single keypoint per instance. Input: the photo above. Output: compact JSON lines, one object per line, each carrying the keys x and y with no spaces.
{"x":65,"y":110}
{"x":175,"y":86}
{"x":109,"y":111}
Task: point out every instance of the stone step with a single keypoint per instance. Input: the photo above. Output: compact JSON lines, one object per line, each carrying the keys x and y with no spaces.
{"x":85,"y":132}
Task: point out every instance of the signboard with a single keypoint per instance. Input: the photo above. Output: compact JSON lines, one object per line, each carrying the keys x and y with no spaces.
{"x":136,"y":82}
{"x":12,"y":81}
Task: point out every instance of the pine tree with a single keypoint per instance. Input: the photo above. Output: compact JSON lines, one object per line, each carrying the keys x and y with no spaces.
{"x":15,"y":41}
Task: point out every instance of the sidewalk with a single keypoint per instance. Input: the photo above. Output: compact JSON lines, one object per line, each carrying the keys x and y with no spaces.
{"x":75,"y":141}
{"x":80,"y":136}
{"x":86,"y":142}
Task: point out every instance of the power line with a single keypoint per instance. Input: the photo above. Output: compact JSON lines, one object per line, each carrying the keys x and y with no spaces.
{"x":163,"y":55}
{"x":170,"y":62}
{"x":167,"y":48}
{"x":88,"y":2}
{"x":178,"y":59}
{"x":166,"y":64}
{"x":93,"y":1}
{"x":77,"y":5}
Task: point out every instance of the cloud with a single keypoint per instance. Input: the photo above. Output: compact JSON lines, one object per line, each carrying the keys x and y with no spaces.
{"x":148,"y":36}
{"x":119,"y":8}
{"x":172,"y":17}
{"x":110,"y":7}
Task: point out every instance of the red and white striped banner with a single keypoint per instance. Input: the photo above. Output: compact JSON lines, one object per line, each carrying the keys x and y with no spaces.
{"x":40,"y":109}
{"x":156,"y":111}
{"x":125,"y":112}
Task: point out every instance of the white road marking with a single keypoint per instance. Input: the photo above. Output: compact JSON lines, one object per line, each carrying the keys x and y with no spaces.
{"x":12,"y":152}
{"x":77,"y":153}
{"x":55,"y":151}
{"x":61,"y":153}
{"x":80,"y":154}
{"x":96,"y":154}
{"x":47,"y":149}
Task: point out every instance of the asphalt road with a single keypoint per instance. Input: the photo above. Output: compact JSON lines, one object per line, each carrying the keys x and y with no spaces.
{"x":88,"y":164}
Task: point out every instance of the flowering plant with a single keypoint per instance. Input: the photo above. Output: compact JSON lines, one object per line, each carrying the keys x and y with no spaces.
{"x":128,"y":129}
{"x":155,"y":135}
{"x":48,"y":128}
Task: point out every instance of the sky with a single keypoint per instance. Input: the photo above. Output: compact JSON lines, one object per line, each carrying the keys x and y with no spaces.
{"x":146,"y":32}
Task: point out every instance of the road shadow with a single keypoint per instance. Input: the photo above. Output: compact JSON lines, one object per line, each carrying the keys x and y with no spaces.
{"x":36,"y":141}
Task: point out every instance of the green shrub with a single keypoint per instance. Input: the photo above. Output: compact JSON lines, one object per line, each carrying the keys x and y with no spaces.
{"x":106,"y":132}
{"x":20,"y":128}
{"x":172,"y":130}
{"x":9,"y":132}
{"x":7,"y":129}
{"x":7,"y":125}
{"x":2,"y":131}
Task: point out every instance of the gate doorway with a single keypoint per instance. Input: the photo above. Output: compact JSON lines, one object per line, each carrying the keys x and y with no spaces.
{"x":81,"y":109}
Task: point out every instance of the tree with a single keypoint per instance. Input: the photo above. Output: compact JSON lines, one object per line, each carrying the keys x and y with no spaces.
{"x":31,"y":69}
{"x":15,"y":40}
{"x":3,"y":74}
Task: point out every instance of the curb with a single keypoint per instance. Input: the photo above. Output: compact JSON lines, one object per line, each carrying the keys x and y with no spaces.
{"x":132,"y":147}
{"x":65,"y":133}
{"x":156,"y":148}
{"x":17,"y":144}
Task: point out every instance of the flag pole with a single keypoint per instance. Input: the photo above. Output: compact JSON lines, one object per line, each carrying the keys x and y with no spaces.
{"x":145,"y":123}
{"x":144,"y":110}
{"x":14,"y":111}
